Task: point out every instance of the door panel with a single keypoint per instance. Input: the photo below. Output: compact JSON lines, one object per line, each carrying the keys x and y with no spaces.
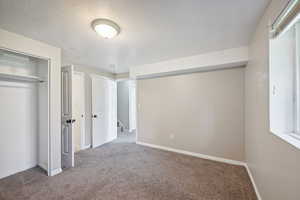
{"x":67,"y":128}
{"x":103,"y":105}
{"x":78,"y":110}
{"x":99,"y":110}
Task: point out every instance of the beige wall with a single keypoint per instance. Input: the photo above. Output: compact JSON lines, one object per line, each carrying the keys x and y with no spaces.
{"x":274,"y":163}
{"x":199,"y":112}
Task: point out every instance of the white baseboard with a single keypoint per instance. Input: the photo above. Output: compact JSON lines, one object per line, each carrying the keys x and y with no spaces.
{"x":17,"y":169}
{"x":253,"y":183}
{"x":86,"y":147}
{"x":55,"y":172}
{"x":43,"y":166}
{"x":203,"y":156}
{"x":198,"y":155}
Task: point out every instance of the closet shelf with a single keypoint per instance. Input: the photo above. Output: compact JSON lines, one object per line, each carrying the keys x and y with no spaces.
{"x":18,"y":77}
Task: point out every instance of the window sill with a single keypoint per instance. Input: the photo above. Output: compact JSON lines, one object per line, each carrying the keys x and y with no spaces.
{"x":290,"y":138}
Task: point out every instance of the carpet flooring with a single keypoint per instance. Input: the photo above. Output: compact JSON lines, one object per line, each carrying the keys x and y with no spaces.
{"x":126,"y":171}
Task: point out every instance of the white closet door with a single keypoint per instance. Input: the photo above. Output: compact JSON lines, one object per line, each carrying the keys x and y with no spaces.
{"x":78,"y":110}
{"x":67,"y":128}
{"x":18,"y":122}
{"x":103,"y":98}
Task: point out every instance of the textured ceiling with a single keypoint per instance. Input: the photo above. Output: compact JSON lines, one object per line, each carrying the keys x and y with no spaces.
{"x":152,"y":30}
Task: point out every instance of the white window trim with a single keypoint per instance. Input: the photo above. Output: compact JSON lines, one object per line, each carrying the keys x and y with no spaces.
{"x":294,"y":138}
{"x":297,"y":80}
{"x":291,"y":138}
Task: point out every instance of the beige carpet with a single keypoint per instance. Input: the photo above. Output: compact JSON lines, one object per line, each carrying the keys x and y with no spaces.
{"x":127,"y":171}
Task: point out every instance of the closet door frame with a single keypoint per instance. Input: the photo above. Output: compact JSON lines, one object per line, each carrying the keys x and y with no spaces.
{"x":48,"y":170}
{"x":27,"y":46}
{"x":49,"y":100}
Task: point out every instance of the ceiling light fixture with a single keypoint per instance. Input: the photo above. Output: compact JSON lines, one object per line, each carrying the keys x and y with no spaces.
{"x":106,"y":28}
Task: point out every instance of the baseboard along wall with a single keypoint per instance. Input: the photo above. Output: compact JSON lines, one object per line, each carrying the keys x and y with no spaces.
{"x":55,"y":172}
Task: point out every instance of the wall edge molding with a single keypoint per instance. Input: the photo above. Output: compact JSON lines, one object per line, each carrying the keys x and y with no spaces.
{"x":86,"y":147}
{"x":55,"y":171}
{"x":198,"y":155}
{"x":253,"y":182}
{"x":216,"y":60}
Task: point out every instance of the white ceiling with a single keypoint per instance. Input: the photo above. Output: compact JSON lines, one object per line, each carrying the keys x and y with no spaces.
{"x":152,"y":30}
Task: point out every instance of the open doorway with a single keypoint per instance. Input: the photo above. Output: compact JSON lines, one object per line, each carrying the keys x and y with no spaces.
{"x":89,"y":112}
{"x":126,"y":111}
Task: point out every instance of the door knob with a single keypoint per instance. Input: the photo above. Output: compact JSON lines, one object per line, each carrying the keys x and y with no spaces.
{"x":95,"y":116}
{"x":70,"y":121}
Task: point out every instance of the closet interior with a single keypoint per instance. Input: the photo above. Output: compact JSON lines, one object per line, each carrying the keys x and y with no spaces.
{"x":24,"y":112}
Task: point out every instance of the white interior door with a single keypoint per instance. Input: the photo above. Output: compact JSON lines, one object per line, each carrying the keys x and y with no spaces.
{"x":103,"y":105}
{"x":67,"y":128}
{"x":78,"y":110}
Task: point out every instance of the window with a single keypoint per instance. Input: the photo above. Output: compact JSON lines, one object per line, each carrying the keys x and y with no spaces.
{"x":285,"y":74}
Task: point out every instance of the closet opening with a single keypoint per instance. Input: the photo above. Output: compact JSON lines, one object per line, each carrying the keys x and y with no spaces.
{"x":24,"y":116}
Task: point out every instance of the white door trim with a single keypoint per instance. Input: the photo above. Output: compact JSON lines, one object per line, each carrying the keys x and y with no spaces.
{"x":132,"y":105}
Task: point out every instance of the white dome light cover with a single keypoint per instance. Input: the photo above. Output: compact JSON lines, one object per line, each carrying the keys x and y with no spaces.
{"x":106,"y":28}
